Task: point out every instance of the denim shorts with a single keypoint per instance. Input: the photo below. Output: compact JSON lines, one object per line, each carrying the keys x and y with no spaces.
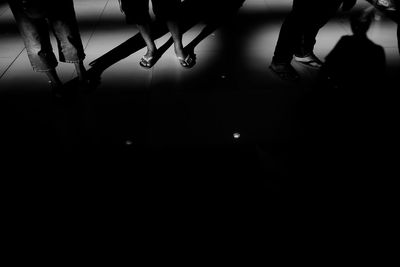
{"x":137,"y":11}
{"x":35,"y":33}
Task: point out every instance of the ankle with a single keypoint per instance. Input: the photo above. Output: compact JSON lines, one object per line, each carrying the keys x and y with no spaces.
{"x":180,"y":52}
{"x":151,"y":51}
{"x":151,"y":48}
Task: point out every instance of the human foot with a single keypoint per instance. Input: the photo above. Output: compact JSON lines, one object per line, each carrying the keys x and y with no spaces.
{"x":186,"y":60}
{"x":148,"y":60}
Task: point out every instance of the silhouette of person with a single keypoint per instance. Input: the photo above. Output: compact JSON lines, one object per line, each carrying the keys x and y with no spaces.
{"x":356,"y":61}
{"x":34,"y":17}
{"x":298,"y":33}
{"x":137,"y":12}
{"x":352,"y":102}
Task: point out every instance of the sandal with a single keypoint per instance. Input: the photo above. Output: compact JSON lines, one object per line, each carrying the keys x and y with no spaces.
{"x":187,"y":62}
{"x":148,"y":62}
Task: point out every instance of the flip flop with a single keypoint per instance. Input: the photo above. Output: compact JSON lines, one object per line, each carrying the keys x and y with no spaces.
{"x":187,"y":62}
{"x":147,"y":62}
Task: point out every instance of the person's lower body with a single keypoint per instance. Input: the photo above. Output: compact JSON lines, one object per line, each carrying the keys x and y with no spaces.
{"x":297,"y":36}
{"x":165,"y":10}
{"x":169,"y":11}
{"x":151,"y":55}
{"x":304,"y":52}
{"x":35,"y":33}
{"x":66,"y":30}
{"x":289,"y":39}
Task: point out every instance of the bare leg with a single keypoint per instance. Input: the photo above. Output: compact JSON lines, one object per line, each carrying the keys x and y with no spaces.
{"x":176,"y":33}
{"x":185,"y":59}
{"x":145,"y":31}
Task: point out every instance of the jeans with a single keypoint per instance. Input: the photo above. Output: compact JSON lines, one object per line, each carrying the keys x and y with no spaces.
{"x":300,"y":28}
{"x":35,"y":33}
{"x":137,"y":11}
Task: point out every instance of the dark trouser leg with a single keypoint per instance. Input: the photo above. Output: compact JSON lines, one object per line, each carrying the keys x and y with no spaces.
{"x":398,"y":36}
{"x":326,"y":10}
{"x":291,"y":32}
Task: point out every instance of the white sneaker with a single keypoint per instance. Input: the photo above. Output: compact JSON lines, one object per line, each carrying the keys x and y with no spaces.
{"x":310,"y":60}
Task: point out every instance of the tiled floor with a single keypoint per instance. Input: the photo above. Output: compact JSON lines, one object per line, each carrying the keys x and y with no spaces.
{"x":170,"y":109}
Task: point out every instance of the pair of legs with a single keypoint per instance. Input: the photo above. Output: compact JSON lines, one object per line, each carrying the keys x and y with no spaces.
{"x":35,"y":33}
{"x":137,"y":12}
{"x":151,"y":53}
{"x":298,"y":33}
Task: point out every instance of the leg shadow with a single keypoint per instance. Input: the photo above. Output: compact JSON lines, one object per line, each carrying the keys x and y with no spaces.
{"x":207,"y":30}
{"x":214,"y":17}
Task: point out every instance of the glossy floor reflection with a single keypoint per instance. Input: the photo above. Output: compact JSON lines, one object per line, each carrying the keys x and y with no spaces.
{"x":228,"y":123}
